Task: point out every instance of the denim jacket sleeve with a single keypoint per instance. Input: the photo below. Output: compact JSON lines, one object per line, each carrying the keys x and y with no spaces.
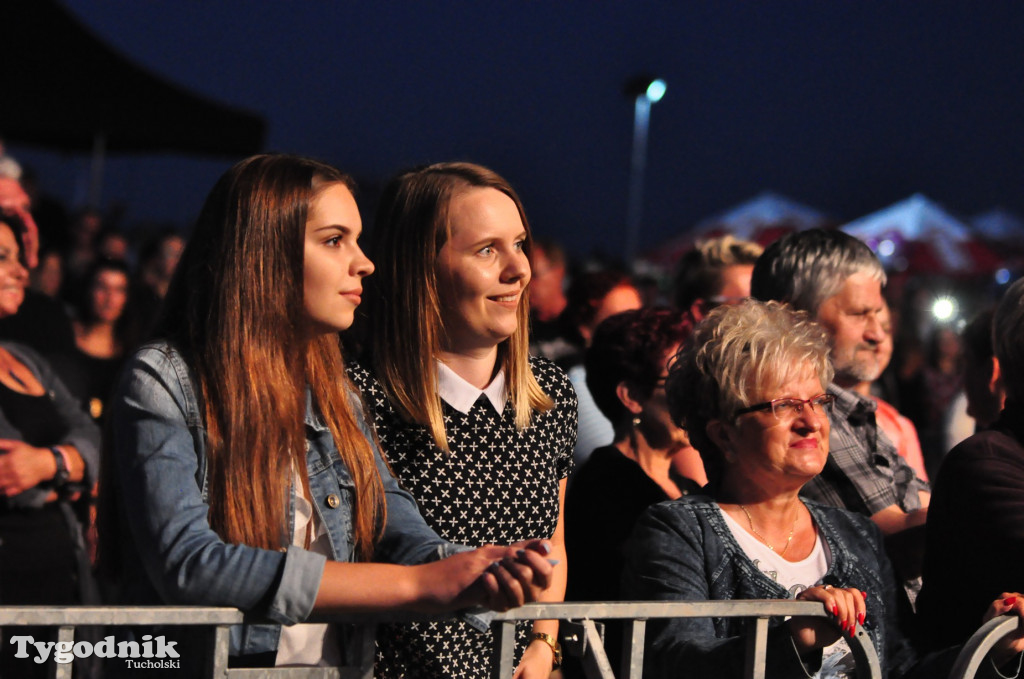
{"x":666,"y":561}
{"x":157,"y":457}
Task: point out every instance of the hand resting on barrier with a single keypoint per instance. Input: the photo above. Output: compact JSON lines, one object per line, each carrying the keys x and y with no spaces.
{"x":1008,"y":603}
{"x":846,"y":606}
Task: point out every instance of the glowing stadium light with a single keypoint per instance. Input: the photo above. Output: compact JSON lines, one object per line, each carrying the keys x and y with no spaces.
{"x":886,"y":248}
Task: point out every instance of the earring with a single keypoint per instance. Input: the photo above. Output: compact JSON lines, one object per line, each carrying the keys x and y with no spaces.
{"x":636,"y":421}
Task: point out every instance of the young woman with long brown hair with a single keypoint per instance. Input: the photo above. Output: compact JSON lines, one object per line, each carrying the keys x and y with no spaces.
{"x":243,"y":470}
{"x":477,"y":430}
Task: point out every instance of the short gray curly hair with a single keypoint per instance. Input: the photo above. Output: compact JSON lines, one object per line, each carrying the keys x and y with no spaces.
{"x":736,"y":357}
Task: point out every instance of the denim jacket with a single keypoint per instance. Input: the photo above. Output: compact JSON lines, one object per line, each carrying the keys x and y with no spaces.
{"x":683,"y":550}
{"x":170,"y":555}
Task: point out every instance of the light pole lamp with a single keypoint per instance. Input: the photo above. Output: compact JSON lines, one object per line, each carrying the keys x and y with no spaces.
{"x":646,"y":91}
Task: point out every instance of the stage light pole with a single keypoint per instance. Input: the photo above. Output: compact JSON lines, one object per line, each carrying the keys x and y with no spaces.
{"x":646,"y":91}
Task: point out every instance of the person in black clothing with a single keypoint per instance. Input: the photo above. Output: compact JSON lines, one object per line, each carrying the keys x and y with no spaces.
{"x":626,"y":368}
{"x":49,"y":455}
{"x":975,"y":534}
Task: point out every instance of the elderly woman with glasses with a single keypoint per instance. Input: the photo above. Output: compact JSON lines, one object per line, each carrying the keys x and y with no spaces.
{"x":750,"y":387}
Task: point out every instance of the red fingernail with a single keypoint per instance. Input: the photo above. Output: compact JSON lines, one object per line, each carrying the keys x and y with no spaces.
{"x":860,"y":619}
{"x":835,"y":611}
{"x":845,"y":625}
{"x":1010,"y":600}
{"x":864,"y":594}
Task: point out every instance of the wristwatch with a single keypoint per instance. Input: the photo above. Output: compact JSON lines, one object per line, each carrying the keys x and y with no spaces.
{"x":61,"y":477}
{"x":556,"y":648}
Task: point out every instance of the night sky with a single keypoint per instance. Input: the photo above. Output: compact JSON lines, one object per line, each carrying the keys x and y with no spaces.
{"x":844,"y":106}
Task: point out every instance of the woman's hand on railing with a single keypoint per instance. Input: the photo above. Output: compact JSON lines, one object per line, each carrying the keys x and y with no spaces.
{"x":495,"y":577}
{"x":847,"y":608}
{"x":1008,"y":603}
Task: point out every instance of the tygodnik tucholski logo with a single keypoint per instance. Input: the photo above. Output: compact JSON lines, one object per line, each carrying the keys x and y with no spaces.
{"x":151,"y":653}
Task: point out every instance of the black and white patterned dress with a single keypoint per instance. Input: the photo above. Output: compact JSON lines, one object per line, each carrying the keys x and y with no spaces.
{"x":497,"y":486}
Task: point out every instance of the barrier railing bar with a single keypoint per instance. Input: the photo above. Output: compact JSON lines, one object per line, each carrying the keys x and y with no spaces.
{"x":595,"y":660}
{"x":74,"y":616}
{"x":504,"y":658}
{"x":634,"y":613}
{"x":981,"y":642}
{"x":63,"y":670}
{"x":633,"y":655}
{"x":221,"y":648}
{"x":757,"y":649}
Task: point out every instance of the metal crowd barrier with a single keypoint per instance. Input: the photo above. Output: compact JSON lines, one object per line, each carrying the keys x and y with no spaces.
{"x":583,"y":638}
{"x":981,"y":642}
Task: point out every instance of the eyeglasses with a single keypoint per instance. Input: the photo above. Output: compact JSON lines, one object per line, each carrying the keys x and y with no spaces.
{"x":790,"y":408}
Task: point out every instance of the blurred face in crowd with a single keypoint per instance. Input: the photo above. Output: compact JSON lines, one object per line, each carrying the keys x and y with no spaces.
{"x":853,"y":317}
{"x":47,"y":278}
{"x":334,"y":265}
{"x":482,"y":270}
{"x":14,"y":200}
{"x":13,"y":276}
{"x":170,"y":254}
{"x":546,"y":295}
{"x":735,"y":284}
{"x":620,"y":298}
{"x":109,"y":295}
{"x":656,"y":422}
{"x":113,"y":246}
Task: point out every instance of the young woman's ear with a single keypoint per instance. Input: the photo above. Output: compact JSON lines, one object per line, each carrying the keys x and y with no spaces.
{"x":721,"y":435}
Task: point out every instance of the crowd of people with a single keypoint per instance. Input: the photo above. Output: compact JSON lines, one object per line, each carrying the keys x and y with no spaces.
{"x":491,"y":428}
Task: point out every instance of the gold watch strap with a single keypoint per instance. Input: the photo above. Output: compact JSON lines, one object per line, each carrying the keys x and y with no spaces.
{"x":556,"y":648}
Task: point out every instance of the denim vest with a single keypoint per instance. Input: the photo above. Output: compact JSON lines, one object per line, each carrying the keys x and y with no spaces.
{"x":170,"y":555}
{"x":683,"y":550}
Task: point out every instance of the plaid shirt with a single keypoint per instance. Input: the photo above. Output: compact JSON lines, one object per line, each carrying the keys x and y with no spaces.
{"x":864,"y":473}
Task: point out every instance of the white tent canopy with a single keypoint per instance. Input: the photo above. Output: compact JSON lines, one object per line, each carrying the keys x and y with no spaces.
{"x":917,"y":220}
{"x":766,"y":209}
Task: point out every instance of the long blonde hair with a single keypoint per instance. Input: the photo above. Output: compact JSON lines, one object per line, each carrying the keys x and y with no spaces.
{"x":235,"y":310}
{"x":404,"y":308}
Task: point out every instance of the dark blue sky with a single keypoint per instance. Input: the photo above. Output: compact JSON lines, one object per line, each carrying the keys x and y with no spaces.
{"x":844,"y":106}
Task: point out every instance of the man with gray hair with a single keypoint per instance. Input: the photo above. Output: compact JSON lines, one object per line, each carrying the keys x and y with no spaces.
{"x":838,"y":280}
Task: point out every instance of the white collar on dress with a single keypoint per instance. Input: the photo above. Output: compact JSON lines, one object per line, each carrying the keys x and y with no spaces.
{"x":461,"y":395}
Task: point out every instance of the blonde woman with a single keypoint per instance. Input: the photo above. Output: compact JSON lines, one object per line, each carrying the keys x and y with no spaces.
{"x":476,"y":430}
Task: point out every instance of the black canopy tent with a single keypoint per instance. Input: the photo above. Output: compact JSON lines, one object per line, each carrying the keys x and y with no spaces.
{"x":62,"y":88}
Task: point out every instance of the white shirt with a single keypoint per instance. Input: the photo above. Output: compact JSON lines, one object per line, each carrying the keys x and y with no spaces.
{"x":461,"y":395}
{"x":796,"y":576}
{"x":308,"y":644}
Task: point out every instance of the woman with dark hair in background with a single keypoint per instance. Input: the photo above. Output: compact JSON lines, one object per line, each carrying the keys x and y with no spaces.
{"x":49,"y":455}
{"x":101,"y":332}
{"x":243,"y":472}
{"x":627,"y":363}
{"x":477,"y":430}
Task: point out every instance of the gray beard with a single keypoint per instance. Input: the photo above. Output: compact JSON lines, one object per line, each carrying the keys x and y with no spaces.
{"x":857,"y":371}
